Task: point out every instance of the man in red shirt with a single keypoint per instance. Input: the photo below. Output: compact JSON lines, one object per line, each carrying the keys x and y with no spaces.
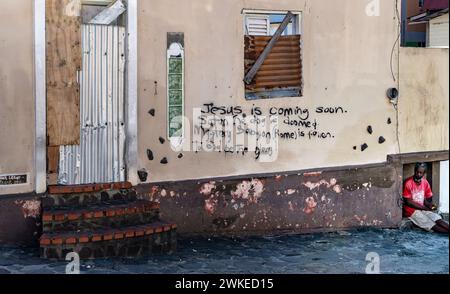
{"x":418,"y":206}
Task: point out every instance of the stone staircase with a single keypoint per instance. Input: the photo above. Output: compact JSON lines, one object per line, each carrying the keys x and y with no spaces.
{"x":99,"y":221}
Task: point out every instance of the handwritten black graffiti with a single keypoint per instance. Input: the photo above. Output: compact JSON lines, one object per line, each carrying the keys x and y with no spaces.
{"x":220,"y":125}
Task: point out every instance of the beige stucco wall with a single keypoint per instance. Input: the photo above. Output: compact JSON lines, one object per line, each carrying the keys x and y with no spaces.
{"x":424,"y":99}
{"x":346,"y":62}
{"x":16,"y":92}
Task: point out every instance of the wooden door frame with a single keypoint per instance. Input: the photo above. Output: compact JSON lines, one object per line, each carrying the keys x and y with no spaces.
{"x":40,"y":142}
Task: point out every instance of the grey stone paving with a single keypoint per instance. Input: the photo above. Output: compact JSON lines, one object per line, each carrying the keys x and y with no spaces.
{"x":400,"y":251}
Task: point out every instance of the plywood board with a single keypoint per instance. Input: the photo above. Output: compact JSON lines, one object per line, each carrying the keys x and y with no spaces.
{"x":52,"y":160}
{"x":63,"y":52}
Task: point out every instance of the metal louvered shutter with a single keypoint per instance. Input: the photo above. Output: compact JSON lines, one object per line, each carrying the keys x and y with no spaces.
{"x":257,"y":25}
{"x":439,"y":32}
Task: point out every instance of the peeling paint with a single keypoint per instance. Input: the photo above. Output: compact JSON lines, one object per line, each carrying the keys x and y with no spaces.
{"x":331,"y":184}
{"x":291,"y":191}
{"x":249,"y":190}
{"x":207,"y":188}
{"x":154,"y":190}
{"x":337,"y":189}
{"x":30,"y":208}
{"x":211,"y":205}
{"x":291,"y":206}
{"x":316,"y":185}
{"x":311,"y":205}
{"x":312,"y":174}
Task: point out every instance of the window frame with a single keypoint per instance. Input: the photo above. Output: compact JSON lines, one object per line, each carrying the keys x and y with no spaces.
{"x":298,"y":30}
{"x":297,"y":17}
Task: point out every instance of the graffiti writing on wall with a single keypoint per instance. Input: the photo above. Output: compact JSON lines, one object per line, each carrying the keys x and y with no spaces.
{"x":233,"y":130}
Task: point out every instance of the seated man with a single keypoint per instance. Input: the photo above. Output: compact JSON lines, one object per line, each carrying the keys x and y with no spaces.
{"x":418,"y":205}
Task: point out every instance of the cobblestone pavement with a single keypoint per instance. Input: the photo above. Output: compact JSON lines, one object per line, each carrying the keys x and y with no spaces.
{"x":400,"y":251}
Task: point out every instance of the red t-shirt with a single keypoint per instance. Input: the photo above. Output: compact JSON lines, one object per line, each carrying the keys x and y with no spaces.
{"x":417,"y":192}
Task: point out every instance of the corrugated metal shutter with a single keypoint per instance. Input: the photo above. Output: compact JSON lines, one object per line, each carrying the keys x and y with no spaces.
{"x":257,"y":25}
{"x":100,"y":156}
{"x":281,"y":71}
{"x":439,"y":32}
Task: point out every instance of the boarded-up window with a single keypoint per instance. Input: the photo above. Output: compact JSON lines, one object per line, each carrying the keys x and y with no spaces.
{"x":281,"y":72}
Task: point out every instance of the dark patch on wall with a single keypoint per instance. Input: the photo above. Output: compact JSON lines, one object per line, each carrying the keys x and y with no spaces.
{"x":150,"y":155}
{"x":389,"y":121}
{"x":162,"y":140}
{"x":152,"y":112}
{"x":143,"y":175}
{"x":180,"y":155}
{"x":354,"y":147}
{"x":381,"y":140}
{"x":20,"y":223}
{"x":164,"y":161}
{"x":364,"y":147}
{"x":370,"y":130}
{"x":354,"y":179}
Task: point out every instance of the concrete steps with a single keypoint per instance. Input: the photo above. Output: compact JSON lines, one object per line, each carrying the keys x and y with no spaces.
{"x":102,"y":221}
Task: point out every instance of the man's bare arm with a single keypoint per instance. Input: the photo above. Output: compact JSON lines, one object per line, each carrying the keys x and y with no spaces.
{"x":429,"y":203}
{"x":415,"y":205}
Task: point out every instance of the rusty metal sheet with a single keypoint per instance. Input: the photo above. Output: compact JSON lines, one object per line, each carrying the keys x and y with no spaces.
{"x":282,"y":68}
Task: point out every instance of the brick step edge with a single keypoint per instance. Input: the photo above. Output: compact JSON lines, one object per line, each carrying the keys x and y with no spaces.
{"x":59,"y":215}
{"x":52,"y":239}
{"x":88,"y":188}
{"x":157,"y":243}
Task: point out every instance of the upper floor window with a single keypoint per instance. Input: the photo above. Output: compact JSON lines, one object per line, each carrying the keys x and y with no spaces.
{"x":272,"y":54}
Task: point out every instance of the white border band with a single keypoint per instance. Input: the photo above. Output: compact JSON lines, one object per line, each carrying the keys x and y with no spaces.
{"x":40,"y":152}
{"x":131,"y":97}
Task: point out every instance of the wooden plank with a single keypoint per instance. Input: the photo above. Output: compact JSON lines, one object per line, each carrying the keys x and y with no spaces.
{"x":259,"y":62}
{"x":52,"y":160}
{"x":436,"y":181}
{"x":63,"y":121}
{"x":63,"y":52}
{"x":431,"y":156}
{"x":110,"y":14}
